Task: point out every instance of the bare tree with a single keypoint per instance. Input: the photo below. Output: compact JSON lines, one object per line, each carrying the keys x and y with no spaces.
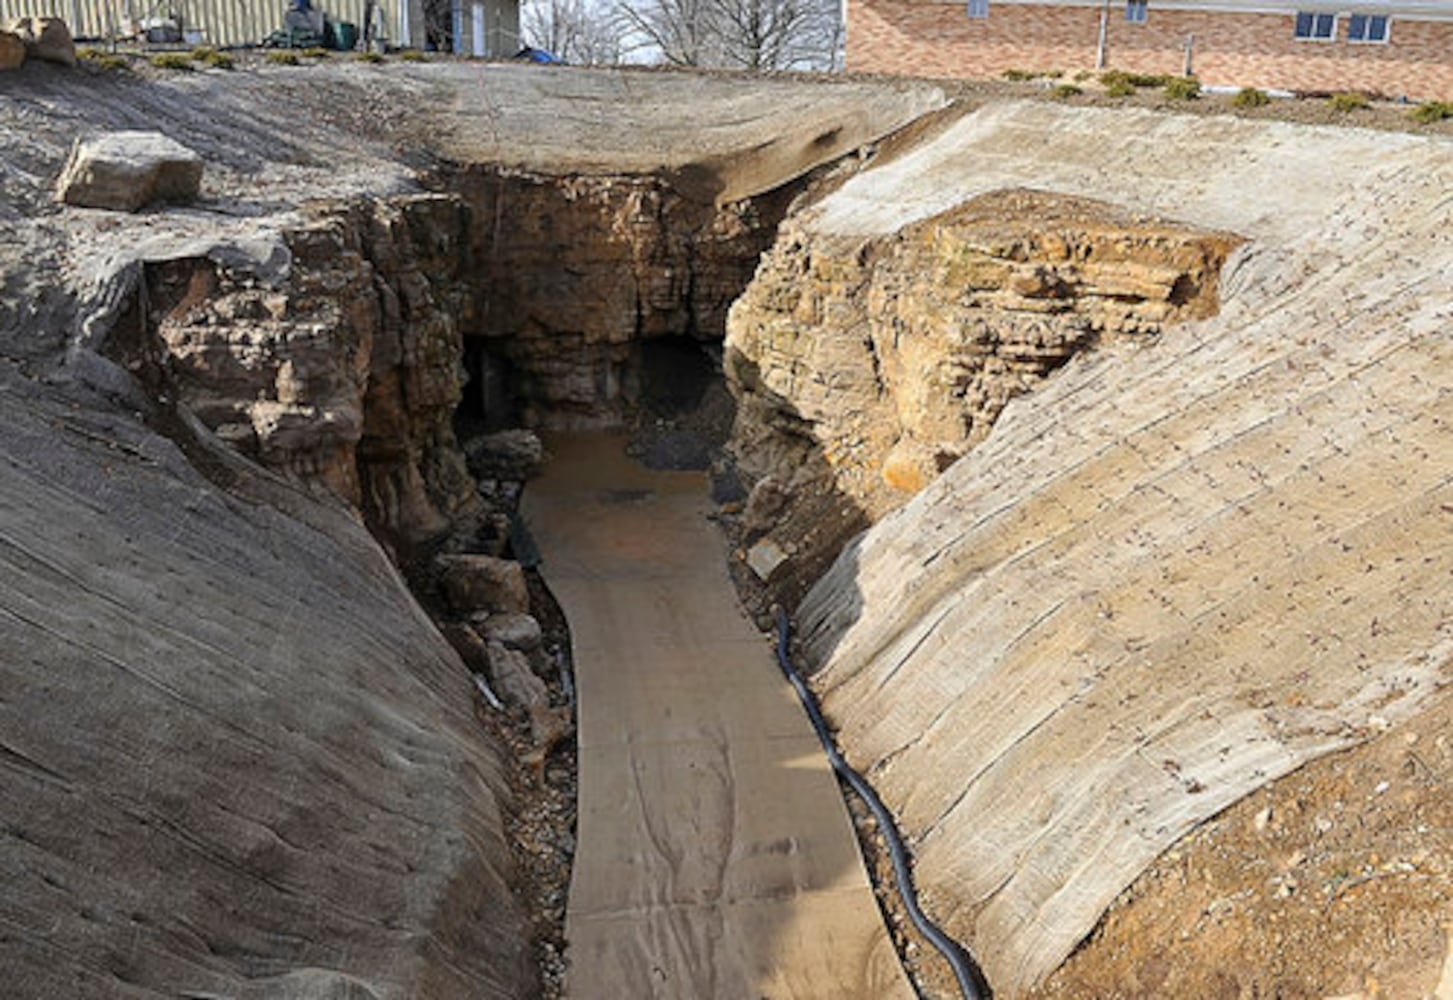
{"x":756,"y":35}
{"x":575,"y":30}
{"x":775,"y":34}
{"x":682,"y":31}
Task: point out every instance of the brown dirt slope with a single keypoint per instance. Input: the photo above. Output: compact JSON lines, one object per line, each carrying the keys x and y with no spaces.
{"x":1175,"y":572}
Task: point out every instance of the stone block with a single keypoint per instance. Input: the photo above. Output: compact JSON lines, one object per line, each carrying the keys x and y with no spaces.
{"x":12,"y":50}
{"x":123,"y":171}
{"x":483,"y":583}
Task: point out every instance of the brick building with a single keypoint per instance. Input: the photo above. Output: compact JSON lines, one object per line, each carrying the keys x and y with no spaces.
{"x":1374,"y":46}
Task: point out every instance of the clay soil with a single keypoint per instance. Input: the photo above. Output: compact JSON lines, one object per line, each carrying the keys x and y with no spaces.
{"x":1336,"y":881}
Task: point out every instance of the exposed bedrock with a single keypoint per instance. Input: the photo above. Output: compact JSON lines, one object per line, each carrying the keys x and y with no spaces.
{"x":573,"y":275}
{"x":344,"y":371}
{"x":879,"y":361}
{"x":1178,"y":569}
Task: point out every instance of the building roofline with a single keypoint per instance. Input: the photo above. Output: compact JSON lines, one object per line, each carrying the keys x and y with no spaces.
{"x":1428,"y":10}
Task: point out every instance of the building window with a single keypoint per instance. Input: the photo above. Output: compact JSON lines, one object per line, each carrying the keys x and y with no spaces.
{"x":1315,"y":27}
{"x":1136,"y":10}
{"x":1367,"y":28}
{"x":979,"y":8}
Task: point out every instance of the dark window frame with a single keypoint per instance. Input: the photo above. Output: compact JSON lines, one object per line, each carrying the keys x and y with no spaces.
{"x":978,"y":10}
{"x":1306,"y":27}
{"x":1137,"y":11}
{"x":1367,"y":21}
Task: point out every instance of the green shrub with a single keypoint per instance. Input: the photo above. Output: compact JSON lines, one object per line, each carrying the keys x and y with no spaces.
{"x":1431,"y":111}
{"x":283,"y":57}
{"x":1350,"y":101}
{"x":101,"y":60}
{"x":1250,"y":97}
{"x":369,"y":57}
{"x":413,"y":55}
{"x":1120,"y":88}
{"x":1083,"y":75}
{"x":1019,"y":75}
{"x":316,"y":52}
{"x":1113,"y":77}
{"x":1065,"y":91}
{"x":209,"y":56}
{"x":1183,"y":88}
{"x":172,"y":60}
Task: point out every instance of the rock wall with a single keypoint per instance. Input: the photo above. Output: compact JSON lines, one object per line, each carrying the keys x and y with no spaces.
{"x":1177,"y":570}
{"x":894,"y":356}
{"x":344,"y":373}
{"x":572,"y":273}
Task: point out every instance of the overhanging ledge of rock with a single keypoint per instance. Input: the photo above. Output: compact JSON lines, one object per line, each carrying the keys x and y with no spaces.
{"x":124,"y":171}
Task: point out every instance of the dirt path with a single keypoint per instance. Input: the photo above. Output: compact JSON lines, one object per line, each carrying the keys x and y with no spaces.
{"x":715,"y":856}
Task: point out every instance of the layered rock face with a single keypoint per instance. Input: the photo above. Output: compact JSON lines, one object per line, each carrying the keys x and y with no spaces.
{"x":343,"y":373}
{"x":575,"y":272}
{"x":1177,"y":570}
{"x":893,"y":356}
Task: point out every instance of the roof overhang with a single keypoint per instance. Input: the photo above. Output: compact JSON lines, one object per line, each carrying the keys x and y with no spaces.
{"x":1424,"y":11}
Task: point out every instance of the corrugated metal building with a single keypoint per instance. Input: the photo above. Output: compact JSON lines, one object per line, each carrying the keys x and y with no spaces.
{"x":488,"y":28}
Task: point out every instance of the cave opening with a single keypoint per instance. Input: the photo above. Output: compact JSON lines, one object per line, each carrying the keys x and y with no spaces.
{"x":490,"y":397}
{"x":674,"y":374}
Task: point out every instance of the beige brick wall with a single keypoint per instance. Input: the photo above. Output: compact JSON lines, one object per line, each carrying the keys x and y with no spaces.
{"x":1255,"y":50}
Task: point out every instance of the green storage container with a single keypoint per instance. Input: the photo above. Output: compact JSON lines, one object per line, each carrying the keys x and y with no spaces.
{"x":346,"y":35}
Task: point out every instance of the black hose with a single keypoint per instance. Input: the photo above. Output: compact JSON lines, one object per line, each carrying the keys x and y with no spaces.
{"x":971,"y":982}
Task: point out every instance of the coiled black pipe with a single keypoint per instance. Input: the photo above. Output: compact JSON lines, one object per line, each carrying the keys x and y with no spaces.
{"x":971,"y":982}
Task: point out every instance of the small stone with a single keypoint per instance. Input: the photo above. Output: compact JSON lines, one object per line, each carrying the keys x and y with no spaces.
{"x":765,"y":557}
{"x":1261,"y":820}
{"x":511,"y":628}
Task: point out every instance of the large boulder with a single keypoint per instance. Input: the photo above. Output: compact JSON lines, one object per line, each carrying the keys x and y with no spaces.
{"x":12,"y":50}
{"x":125,"y":170}
{"x":47,"y":39}
{"x":483,"y":583}
{"x":511,"y":455}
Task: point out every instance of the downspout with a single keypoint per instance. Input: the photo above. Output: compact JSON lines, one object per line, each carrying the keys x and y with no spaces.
{"x":1104,"y":30}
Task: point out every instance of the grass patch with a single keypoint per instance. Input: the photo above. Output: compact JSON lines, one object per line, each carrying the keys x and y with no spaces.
{"x":1183,"y":88}
{"x":413,"y":55}
{"x":102,"y":60}
{"x":1065,"y":91}
{"x":173,"y":60}
{"x":369,"y":57}
{"x":1250,"y":97}
{"x":1120,"y":88}
{"x":208,"y":56}
{"x":1116,"y":77}
{"x":282,"y":57}
{"x":1350,"y":101}
{"x":1431,"y":111}
{"x":316,"y":52}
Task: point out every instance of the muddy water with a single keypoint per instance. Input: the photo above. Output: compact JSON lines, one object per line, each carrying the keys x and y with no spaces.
{"x":715,"y":857}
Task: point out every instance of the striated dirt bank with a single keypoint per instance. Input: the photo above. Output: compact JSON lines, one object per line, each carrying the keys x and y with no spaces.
{"x":1181,"y":568}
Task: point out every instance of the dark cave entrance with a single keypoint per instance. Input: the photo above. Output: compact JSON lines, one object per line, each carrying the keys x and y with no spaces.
{"x":490,"y":400}
{"x":674,"y":374}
